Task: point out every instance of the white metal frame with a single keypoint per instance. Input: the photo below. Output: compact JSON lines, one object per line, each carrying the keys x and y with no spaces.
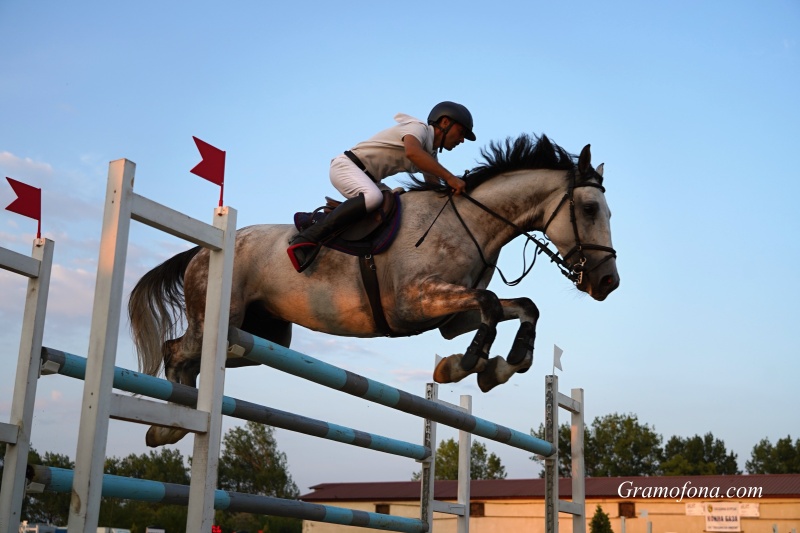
{"x":429,"y":505}
{"x":17,"y":433}
{"x":553,"y":505}
{"x":100,"y":403}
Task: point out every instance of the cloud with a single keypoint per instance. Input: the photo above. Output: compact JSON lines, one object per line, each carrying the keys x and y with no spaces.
{"x":71,"y":292}
{"x":26,"y":167}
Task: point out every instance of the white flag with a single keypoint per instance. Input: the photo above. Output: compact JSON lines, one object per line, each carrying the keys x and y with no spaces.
{"x":557,"y":357}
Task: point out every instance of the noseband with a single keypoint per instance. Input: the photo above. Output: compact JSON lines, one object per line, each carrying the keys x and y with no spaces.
{"x":574,"y":270}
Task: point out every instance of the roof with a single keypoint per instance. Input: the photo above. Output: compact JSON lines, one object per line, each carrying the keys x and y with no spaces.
{"x":772,"y":486}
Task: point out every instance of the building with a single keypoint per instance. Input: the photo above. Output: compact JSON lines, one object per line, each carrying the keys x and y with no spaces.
{"x":679,"y":504}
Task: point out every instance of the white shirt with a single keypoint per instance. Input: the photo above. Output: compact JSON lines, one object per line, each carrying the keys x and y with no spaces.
{"x":384,"y":154}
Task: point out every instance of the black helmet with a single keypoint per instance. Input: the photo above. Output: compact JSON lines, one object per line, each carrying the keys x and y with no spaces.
{"x":456,"y":112}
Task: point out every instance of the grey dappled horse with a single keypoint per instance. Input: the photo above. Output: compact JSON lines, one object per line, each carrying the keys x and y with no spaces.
{"x":523,"y":185}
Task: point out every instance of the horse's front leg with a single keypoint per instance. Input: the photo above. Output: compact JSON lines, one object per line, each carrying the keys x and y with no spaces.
{"x":433,"y":299}
{"x":520,"y":357}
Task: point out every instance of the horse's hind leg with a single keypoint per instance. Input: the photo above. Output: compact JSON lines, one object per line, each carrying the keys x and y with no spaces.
{"x":181,"y":365}
{"x":520,"y":357}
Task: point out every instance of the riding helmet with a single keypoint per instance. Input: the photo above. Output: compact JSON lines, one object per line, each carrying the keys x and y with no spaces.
{"x":456,"y":112}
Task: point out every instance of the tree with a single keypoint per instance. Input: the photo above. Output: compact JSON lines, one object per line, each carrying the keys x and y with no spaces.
{"x":600,"y":522}
{"x":481,"y":465}
{"x":614,"y":445}
{"x":250,"y":462}
{"x":697,"y":456}
{"x":782,"y":458}
{"x":620,"y":446}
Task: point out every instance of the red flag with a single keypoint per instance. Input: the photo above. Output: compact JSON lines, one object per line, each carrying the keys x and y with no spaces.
{"x":212,"y":166}
{"x":28,"y":202}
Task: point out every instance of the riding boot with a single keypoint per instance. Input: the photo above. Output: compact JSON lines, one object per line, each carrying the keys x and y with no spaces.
{"x":304,"y":246}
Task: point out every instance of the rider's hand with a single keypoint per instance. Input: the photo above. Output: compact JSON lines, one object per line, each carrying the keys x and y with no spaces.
{"x":458,"y":185}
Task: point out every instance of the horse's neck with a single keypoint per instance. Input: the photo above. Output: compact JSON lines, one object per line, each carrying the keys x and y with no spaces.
{"x":521,"y":197}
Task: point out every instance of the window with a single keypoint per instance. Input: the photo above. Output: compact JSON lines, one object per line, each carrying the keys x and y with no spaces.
{"x":627,"y":509}
{"x":382,"y":508}
{"x":476,"y":509}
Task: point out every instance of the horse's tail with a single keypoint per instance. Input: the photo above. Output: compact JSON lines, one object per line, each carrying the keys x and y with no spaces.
{"x":156,"y":308}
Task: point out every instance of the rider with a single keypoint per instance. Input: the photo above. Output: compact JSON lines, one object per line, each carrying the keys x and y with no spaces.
{"x":410,"y":146}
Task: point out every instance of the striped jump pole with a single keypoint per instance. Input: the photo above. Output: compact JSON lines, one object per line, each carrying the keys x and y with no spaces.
{"x":74,"y":366}
{"x":53,"y":479}
{"x":256,"y":349}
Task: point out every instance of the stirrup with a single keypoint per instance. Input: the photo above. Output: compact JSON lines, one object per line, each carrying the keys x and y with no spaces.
{"x":308,"y":255}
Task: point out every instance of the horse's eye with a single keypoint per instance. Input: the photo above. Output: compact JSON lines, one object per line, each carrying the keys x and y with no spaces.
{"x":590,"y":209}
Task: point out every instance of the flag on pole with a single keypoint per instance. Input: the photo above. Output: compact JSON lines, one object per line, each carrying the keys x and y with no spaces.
{"x":212,"y":165}
{"x":28,"y":202}
{"x":557,"y":357}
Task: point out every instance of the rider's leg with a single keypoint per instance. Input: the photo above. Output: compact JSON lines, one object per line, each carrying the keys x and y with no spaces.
{"x":361,"y":193}
{"x":352,"y":181}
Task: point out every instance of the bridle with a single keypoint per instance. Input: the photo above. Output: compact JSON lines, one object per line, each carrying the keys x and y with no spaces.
{"x":574,"y":270}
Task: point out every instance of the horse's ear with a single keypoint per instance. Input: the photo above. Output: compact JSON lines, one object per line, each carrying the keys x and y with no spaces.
{"x":599,"y":169}
{"x":585,"y":159}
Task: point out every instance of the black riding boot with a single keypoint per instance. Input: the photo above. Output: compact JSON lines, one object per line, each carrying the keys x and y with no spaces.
{"x":304,"y":246}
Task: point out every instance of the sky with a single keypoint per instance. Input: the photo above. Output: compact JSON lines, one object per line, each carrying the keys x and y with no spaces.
{"x":693,"y":107}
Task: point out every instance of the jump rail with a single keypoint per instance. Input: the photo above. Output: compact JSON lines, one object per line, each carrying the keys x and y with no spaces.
{"x":74,"y":366}
{"x":265,"y":352}
{"x":54,"y":479}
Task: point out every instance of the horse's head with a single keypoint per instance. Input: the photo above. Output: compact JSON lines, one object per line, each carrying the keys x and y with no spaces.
{"x":580,"y":227}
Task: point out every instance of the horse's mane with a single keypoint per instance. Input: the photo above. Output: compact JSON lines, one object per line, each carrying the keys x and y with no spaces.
{"x":526,"y":152}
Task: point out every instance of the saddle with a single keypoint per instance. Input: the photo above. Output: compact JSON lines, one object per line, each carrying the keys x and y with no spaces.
{"x":369,"y":236}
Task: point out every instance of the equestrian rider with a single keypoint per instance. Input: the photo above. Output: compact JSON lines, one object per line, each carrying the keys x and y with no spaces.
{"x":410,"y":146}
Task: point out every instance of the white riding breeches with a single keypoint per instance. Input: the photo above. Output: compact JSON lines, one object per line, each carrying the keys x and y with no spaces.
{"x":352,"y":181}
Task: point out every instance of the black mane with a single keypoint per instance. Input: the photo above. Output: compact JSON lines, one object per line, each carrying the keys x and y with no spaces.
{"x":526,"y":152}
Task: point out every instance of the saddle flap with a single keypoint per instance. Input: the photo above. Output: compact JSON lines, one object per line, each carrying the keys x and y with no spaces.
{"x":364,"y":227}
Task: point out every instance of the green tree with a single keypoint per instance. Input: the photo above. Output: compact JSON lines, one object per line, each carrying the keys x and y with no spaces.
{"x":614,"y":445}
{"x":782,"y":458}
{"x":698,"y":456}
{"x":482,"y":466}
{"x":250,"y":462}
{"x":600,"y":522}
{"x":620,"y":446}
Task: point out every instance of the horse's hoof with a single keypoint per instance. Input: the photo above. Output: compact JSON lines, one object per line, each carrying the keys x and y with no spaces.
{"x":487,"y":379}
{"x":159,"y":436}
{"x":443,"y":373}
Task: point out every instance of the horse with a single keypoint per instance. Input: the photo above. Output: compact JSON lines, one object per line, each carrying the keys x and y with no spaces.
{"x":438,"y":281}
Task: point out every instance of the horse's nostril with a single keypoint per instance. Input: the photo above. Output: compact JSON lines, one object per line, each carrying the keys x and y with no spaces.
{"x":610,"y":281}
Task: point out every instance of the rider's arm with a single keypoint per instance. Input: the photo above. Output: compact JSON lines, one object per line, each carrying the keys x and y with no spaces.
{"x":427,"y":164}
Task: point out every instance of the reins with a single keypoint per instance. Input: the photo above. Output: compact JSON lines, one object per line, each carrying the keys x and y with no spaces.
{"x":573,"y":271}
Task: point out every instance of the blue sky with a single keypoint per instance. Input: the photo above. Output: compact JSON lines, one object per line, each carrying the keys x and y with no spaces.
{"x":693,"y":106}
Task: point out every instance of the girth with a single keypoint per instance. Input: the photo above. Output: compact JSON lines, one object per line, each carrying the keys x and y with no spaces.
{"x":369,"y":275}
